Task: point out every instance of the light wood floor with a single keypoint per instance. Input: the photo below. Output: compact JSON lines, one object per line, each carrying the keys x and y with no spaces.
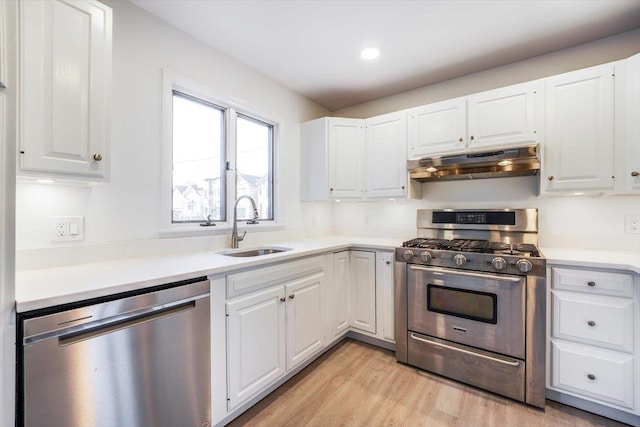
{"x":356,"y":384}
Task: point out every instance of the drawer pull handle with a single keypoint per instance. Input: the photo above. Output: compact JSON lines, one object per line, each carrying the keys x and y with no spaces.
{"x":493,"y":359}
{"x":591,"y":323}
{"x":292,"y":296}
{"x":592,"y":284}
{"x":591,"y":377}
{"x":283,"y":299}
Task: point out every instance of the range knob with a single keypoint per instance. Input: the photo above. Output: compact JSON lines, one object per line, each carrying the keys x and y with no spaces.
{"x":460,"y":260}
{"x":407,"y":255}
{"x":498,"y":263}
{"x":524,"y":265}
{"x":425,"y":256}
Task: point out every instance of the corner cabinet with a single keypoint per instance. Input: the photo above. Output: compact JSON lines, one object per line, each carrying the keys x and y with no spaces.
{"x":355,"y":159}
{"x":502,"y":117}
{"x":65,"y":63}
{"x":580,"y":134}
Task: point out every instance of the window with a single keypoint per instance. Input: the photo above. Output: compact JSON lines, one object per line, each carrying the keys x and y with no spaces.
{"x":198,"y":142}
{"x":216,"y":154}
{"x":254,"y":165}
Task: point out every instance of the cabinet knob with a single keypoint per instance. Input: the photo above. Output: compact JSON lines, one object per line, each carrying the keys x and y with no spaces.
{"x":292,"y":296}
{"x":331,"y":189}
{"x":591,"y":377}
{"x":591,"y":323}
{"x":635,"y":174}
{"x":550,"y":178}
{"x":472,"y":137}
{"x":460,"y":139}
{"x":592,"y":284}
{"x":283,"y":299}
{"x":388,"y":262}
{"x":97,"y":157}
{"x":403,"y":187}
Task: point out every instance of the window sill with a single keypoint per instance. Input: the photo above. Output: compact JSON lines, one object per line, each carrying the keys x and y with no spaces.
{"x":197,"y":230}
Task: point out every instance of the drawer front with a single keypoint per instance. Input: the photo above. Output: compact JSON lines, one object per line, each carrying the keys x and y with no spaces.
{"x":262,"y":278}
{"x":593,"y":319}
{"x":593,"y":282}
{"x":467,"y":364}
{"x":595,"y":373}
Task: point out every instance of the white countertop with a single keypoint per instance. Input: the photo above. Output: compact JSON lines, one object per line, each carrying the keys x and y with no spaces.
{"x":41,"y":288}
{"x":47,"y":287}
{"x":617,"y":260}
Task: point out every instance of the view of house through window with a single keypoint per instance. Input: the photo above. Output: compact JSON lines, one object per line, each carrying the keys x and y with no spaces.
{"x":200,"y":150}
{"x":198,"y":142}
{"x":254,"y":166}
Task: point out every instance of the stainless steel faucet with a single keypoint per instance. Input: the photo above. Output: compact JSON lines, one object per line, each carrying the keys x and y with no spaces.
{"x":234,"y":234}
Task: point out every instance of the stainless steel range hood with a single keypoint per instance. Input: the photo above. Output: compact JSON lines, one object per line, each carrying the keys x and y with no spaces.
{"x":508,"y":162}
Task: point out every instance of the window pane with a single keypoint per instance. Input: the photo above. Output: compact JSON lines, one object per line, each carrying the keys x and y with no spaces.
{"x":254,"y":166}
{"x":198,"y":187}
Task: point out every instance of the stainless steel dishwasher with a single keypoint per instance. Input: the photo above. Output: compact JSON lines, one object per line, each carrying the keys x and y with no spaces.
{"x":142,"y":360}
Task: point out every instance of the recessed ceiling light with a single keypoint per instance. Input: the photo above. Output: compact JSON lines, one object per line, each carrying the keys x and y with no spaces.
{"x":431,"y":169}
{"x":44,"y":181}
{"x":370,"y":53}
{"x":505,"y":163}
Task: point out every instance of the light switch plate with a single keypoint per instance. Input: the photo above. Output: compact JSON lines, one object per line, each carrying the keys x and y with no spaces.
{"x":67,"y":228}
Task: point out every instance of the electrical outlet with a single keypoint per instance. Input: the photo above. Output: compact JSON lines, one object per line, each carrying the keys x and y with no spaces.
{"x":315,"y":221}
{"x":367,"y":220}
{"x":632,"y":224}
{"x":67,"y":228}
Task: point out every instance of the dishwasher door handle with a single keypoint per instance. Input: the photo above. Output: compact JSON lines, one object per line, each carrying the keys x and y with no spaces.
{"x":123,"y":323}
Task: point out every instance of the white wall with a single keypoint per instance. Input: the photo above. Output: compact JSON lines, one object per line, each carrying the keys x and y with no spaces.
{"x":584,"y":222}
{"x":121,"y":217}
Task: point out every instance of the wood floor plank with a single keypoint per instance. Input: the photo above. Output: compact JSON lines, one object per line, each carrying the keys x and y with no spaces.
{"x":359,"y":385}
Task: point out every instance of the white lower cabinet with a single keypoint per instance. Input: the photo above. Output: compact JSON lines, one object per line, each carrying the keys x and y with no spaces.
{"x":385,"y":295}
{"x":594,"y":344}
{"x":256,"y":343}
{"x":362,"y":267}
{"x":340,"y":301}
{"x":273,"y":330}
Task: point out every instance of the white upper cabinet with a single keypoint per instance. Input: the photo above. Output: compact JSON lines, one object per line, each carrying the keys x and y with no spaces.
{"x":386,"y":156}
{"x":506,"y":116}
{"x":579,"y":132}
{"x":346,"y":152}
{"x":438,"y":128}
{"x":65,"y":62}
{"x":628,"y":125}
{"x":355,"y":159}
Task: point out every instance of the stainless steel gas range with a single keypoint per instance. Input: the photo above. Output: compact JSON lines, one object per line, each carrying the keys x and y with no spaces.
{"x":470,"y":300}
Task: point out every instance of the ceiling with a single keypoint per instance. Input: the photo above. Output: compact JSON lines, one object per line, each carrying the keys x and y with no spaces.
{"x":313,"y":46}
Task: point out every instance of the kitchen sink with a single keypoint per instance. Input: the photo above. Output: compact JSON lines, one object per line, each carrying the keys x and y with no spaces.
{"x":254,"y":252}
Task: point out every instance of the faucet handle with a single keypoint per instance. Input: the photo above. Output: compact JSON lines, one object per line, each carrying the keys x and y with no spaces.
{"x":241,"y":238}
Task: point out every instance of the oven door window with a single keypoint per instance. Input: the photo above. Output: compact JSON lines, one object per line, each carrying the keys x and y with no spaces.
{"x":474,"y":305}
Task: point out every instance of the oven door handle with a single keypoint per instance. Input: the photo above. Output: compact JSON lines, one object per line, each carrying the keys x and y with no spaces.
{"x":449,"y":347}
{"x":502,"y":278}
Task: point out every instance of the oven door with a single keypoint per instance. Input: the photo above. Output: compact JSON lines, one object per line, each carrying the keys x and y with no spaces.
{"x":481,"y":310}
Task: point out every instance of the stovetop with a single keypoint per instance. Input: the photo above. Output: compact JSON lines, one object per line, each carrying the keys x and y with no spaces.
{"x":479,"y":246}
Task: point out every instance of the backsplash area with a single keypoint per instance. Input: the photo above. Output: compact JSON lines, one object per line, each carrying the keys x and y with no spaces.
{"x":581,"y":222}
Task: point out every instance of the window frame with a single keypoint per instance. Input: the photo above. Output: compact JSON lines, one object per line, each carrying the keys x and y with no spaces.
{"x":171,"y":83}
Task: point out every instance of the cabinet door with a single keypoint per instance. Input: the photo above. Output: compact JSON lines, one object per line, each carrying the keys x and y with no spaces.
{"x":255,"y":343}
{"x":504,"y":116}
{"x":628,"y":125}
{"x":385,"y":292}
{"x":341,"y":284}
{"x":304,"y":318}
{"x":65,"y":82}
{"x":579,"y":131}
{"x":346,"y":152}
{"x":437,"y":128}
{"x":386,"y":156}
{"x":363,"y":290}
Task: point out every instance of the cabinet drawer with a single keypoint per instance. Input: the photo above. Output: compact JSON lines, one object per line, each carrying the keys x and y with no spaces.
{"x":595,"y":373}
{"x":264,"y":277}
{"x":593,"y":319}
{"x":593,"y":282}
